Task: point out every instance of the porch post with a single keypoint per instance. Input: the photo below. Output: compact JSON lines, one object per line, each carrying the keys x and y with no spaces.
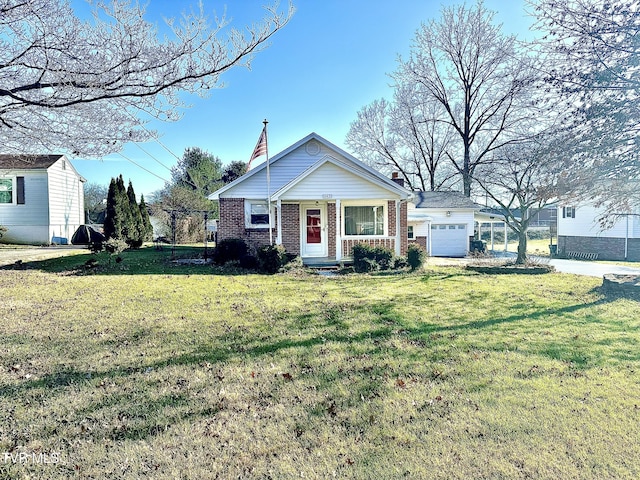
{"x":338,"y":230}
{"x":492,"y":235}
{"x":398,"y":232}
{"x":506,"y":240}
{"x":279,"y":218}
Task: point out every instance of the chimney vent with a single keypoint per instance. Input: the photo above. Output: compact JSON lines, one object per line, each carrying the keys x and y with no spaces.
{"x":395,"y":176}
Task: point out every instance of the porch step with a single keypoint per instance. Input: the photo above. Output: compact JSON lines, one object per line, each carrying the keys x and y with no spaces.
{"x":326,"y":262}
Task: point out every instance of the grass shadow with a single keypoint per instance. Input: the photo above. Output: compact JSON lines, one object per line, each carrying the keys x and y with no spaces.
{"x":144,"y":261}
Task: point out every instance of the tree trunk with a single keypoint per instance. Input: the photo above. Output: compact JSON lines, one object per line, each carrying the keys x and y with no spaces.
{"x":466,"y":171}
{"x":522,"y":247}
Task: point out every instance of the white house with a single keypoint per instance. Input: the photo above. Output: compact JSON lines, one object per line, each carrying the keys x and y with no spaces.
{"x":41,"y":199}
{"x":581,"y":235}
{"x":318,"y":202}
{"x":442,"y":222}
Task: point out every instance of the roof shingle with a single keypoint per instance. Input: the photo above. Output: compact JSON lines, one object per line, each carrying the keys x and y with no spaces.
{"x":27,"y":162}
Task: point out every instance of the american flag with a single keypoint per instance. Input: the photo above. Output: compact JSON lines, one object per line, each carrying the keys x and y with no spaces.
{"x":261,"y":147}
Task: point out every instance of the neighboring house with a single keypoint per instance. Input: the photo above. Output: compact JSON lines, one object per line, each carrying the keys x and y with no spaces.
{"x":41,"y":199}
{"x":442,"y":222}
{"x":581,"y":235}
{"x":323,"y":201}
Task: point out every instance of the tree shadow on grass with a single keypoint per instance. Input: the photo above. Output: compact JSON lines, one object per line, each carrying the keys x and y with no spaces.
{"x":326,"y":327}
{"x":143,"y":261}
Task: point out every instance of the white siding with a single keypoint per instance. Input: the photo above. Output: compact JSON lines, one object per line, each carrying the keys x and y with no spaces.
{"x":585,"y":224}
{"x":330,"y":181}
{"x":27,"y":223}
{"x":439,"y":215}
{"x":35,"y":210}
{"x":287,"y":168}
{"x":281,"y":173}
{"x":27,"y":235}
{"x":66,"y":200}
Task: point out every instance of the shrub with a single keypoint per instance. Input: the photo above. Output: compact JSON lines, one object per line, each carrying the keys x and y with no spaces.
{"x":230,"y":249}
{"x":3,"y":230}
{"x":115,"y":246}
{"x":415,"y":256}
{"x":400,"y":262}
{"x":362,"y":253}
{"x":369,"y":259}
{"x":383,"y":257}
{"x":271,"y":258}
{"x":248,"y":262}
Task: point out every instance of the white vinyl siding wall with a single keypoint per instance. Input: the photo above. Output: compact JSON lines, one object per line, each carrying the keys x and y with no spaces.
{"x":281,"y":173}
{"x":66,"y":200}
{"x":585,"y":224}
{"x":295,"y":163}
{"x":330,"y":182}
{"x":35,"y":210}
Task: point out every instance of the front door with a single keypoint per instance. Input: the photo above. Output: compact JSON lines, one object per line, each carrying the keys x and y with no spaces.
{"x":314,"y":235}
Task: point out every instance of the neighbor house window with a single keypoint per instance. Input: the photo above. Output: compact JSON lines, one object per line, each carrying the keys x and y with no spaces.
{"x":256,"y":214}
{"x":568,"y":212}
{"x":410,"y":232}
{"x":364,"y":220}
{"x":6,"y":190}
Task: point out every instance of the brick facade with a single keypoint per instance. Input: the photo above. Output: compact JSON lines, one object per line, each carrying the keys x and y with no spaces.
{"x":422,"y":241}
{"x":606,"y":248}
{"x":232,"y":225}
{"x":291,"y":227}
{"x":331,"y":229}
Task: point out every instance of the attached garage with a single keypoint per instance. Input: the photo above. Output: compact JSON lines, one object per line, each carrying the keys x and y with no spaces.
{"x":449,"y":240}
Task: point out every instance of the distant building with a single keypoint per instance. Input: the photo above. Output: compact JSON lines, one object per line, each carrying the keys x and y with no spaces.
{"x":41,"y":199}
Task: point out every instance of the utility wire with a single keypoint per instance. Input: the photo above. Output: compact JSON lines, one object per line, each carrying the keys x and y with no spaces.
{"x":143,"y":168}
{"x":158,"y":161}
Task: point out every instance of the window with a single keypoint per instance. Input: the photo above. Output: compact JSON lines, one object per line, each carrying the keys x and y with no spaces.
{"x":256,"y":214}
{"x":410,"y":232}
{"x":365,"y":220}
{"x":6,"y":190}
{"x":568,"y":212}
{"x":20,"y":190}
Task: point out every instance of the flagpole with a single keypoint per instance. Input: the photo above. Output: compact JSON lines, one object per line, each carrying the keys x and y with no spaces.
{"x":266,"y":141}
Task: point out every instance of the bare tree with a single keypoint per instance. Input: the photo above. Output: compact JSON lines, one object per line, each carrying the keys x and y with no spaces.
{"x":404,"y":136}
{"x":522,"y":180}
{"x":480,"y":78}
{"x":593,"y":52}
{"x":82,"y":86}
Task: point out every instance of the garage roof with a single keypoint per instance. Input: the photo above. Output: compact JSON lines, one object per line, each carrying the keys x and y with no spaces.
{"x":443,"y":200}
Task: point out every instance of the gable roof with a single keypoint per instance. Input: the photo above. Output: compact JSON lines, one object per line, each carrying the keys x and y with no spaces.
{"x":28,"y":162}
{"x":353,"y":174}
{"x":352,"y":164}
{"x":444,"y":200}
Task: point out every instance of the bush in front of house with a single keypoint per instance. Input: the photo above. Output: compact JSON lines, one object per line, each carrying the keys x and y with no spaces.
{"x":415,"y":256}
{"x":230,"y":250}
{"x":271,"y":258}
{"x":369,"y":259}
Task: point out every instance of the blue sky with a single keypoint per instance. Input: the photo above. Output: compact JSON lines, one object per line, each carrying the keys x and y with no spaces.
{"x":326,"y":64}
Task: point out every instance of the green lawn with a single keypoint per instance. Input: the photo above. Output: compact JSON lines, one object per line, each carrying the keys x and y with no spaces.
{"x":147,"y":369}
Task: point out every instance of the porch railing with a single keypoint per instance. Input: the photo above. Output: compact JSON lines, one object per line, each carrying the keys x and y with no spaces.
{"x":348,"y":243}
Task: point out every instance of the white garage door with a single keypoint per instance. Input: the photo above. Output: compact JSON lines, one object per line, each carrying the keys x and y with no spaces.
{"x":449,"y":240}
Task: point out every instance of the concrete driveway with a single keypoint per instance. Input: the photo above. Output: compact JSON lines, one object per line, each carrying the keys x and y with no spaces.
{"x":591,"y":269}
{"x":10,"y":255}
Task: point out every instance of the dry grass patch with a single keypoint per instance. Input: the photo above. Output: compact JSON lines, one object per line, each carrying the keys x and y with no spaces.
{"x":445,"y":374}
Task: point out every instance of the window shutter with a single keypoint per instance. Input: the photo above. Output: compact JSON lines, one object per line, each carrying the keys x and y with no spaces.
{"x":20,"y":192}
{"x":564,"y":212}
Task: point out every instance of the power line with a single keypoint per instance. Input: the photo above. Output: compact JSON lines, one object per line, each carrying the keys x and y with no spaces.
{"x":158,"y":161}
{"x":143,"y":168}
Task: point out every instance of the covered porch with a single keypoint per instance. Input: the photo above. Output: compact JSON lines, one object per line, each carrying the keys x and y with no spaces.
{"x":325,"y":231}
